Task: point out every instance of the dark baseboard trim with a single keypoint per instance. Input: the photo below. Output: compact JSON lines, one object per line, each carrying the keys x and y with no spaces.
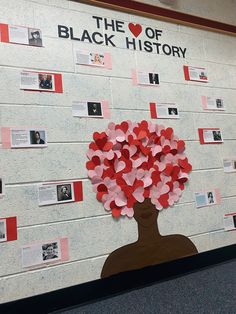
{"x":103,"y":288}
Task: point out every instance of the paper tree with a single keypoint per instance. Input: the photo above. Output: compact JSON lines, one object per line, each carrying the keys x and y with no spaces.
{"x":134,"y":168}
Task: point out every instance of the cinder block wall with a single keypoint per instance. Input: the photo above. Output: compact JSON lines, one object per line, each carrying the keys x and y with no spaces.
{"x":92,"y":232}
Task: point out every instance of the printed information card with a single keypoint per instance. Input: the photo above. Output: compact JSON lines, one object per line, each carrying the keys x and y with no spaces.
{"x":60,"y":192}
{"x":164,"y":111}
{"x":229,"y":164}
{"x":95,"y":59}
{"x":47,"y":252}
{"x":41,"y":82}
{"x":195,"y":74}
{"x":20,"y":35}
{"x":8,"y":229}
{"x":210,"y":103}
{"x":210,"y":136}
{"x":208,"y":198}
{"x":230,"y":221}
{"x":91,"y":109}
{"x":2,"y":187}
{"x":23,"y":138}
{"x":145,"y":78}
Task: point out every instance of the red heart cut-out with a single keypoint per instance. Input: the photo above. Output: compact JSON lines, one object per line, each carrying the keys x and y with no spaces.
{"x":136,"y":29}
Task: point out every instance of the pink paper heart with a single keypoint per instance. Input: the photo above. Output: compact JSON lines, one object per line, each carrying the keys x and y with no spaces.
{"x":119,"y":166}
{"x":129,"y":177}
{"x":147,"y":181}
{"x":129,"y":212}
{"x":156,"y":149}
{"x":121,"y":200}
{"x":138,"y":194}
{"x":120,"y":136}
{"x":110,"y":155}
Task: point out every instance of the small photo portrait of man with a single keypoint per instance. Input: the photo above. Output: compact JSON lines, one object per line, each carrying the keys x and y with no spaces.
{"x":203,"y":76}
{"x":37,"y":137}
{"x":2,"y":230}
{"x":50,"y":251}
{"x":45,"y":81}
{"x":94,"y":109}
{"x":217,"y":136}
{"x":35,"y":37}
{"x":97,"y":59}
{"x":219,"y":103}
{"x":210,"y":197}
{"x":64,"y":192}
{"x":173,"y":111}
{"x":153,"y":78}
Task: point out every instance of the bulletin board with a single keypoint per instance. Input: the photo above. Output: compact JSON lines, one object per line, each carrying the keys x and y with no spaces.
{"x":112,"y":124}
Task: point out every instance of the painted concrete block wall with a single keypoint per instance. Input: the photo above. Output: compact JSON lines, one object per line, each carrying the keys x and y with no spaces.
{"x":92,"y":232}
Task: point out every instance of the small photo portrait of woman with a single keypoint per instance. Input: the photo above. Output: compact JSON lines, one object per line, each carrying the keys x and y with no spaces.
{"x":37,"y":137}
{"x":97,"y":59}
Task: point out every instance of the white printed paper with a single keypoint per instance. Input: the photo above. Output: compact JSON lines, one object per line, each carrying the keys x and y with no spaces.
{"x":41,"y":253}
{"x":3,"y":230}
{"x":229,"y":165}
{"x":55,"y":193}
{"x":205,"y":199}
{"x":18,"y":35}
{"x":37,"y":81}
{"x":147,"y":78}
{"x":22,"y":138}
{"x":230,"y":222}
{"x":87,"y":109}
{"x":211,"y":136}
{"x":90,"y":58}
{"x":197,"y":74}
{"x":214,"y":104}
{"x":2,"y":188}
{"x":167,"y":111}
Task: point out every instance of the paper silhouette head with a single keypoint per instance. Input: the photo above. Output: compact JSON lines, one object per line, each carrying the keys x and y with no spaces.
{"x":131,"y":162}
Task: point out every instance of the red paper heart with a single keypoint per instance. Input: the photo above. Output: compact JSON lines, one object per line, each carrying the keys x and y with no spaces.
{"x":90,"y":165}
{"x":168,"y":169}
{"x":163,"y":200}
{"x":135,"y":29}
{"x":180,"y":146}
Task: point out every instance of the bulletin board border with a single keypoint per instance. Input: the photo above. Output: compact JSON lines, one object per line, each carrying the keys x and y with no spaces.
{"x":168,"y":15}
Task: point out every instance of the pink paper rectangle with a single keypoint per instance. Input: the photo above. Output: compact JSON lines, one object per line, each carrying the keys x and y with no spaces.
{"x":134,"y":77}
{"x":107,"y":60}
{"x":6,"y":137}
{"x":204,"y":102}
{"x":106,"y":109}
{"x":64,"y":249}
{"x":218,"y":196}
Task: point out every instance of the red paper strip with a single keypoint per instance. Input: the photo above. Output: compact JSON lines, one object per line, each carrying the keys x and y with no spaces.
{"x":78,"y":191}
{"x":153,"y":110}
{"x":58,"y":83}
{"x":186,"y":73}
{"x":11,"y":228}
{"x":4,"y":33}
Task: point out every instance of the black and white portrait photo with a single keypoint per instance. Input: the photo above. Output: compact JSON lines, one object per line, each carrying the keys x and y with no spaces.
{"x":153,"y":78}
{"x":94,"y":109}
{"x":50,"y":251}
{"x":210,"y":197}
{"x":64,"y":192}
{"x":35,"y":37}
{"x":45,"y":81}
{"x":2,"y":230}
{"x":234,"y":219}
{"x":219,"y":103}
{"x":37,"y":137}
{"x":1,"y":187}
{"x":217,"y":136}
{"x":173,"y":111}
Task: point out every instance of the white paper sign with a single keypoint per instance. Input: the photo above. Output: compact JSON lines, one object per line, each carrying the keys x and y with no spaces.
{"x":18,"y":35}
{"x":229,"y":165}
{"x":230,"y":222}
{"x":55,"y":193}
{"x":22,"y":138}
{"x":205,"y":199}
{"x":3,"y":231}
{"x":87,"y":109}
{"x":37,"y":81}
{"x":41,"y":253}
{"x":211,"y":136}
{"x":197,"y":74}
{"x":167,"y":111}
{"x":147,"y":78}
{"x":214,"y":104}
{"x":90,"y":58}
